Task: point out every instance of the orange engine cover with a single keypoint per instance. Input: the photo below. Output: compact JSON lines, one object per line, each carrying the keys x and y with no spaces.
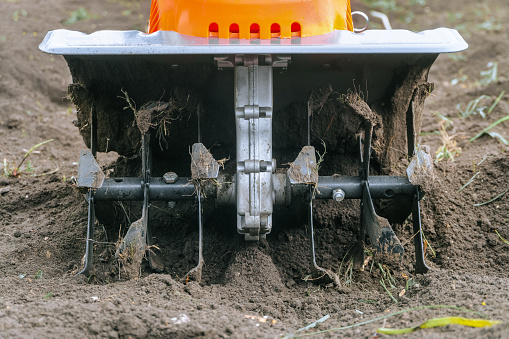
{"x":246,"y":19}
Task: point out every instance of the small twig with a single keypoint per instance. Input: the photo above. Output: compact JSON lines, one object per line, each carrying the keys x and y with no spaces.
{"x":311,"y":279}
{"x":48,"y":173}
{"x":491,"y":200}
{"x":496,"y":102}
{"x":321,"y":320}
{"x":427,"y":243}
{"x":388,"y":292}
{"x":507,"y":242}
{"x":486,"y":157}
{"x":468,"y":182}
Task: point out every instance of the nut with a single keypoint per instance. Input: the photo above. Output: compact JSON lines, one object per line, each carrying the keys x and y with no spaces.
{"x":338,"y":194}
{"x":170,"y":177}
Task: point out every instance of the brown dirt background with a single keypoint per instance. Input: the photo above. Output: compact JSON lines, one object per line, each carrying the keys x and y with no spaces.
{"x":43,"y":218}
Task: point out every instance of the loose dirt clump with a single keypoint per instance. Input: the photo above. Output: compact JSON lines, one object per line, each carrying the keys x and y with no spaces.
{"x":253,"y":271}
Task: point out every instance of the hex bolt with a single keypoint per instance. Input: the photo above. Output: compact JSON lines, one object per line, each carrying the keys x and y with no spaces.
{"x":170,"y":177}
{"x":171,"y":204}
{"x":338,"y":194}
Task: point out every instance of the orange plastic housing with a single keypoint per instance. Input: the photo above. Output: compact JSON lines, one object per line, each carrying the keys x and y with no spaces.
{"x":247,"y":19}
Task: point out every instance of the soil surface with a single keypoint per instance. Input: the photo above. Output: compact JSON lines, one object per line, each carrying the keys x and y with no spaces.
{"x":261,"y":289}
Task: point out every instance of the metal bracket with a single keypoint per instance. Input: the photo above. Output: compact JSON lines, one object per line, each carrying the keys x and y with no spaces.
{"x":253,"y":107}
{"x":230,"y":61}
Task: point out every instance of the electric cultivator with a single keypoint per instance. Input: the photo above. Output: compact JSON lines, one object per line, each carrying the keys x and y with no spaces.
{"x":301,"y":75}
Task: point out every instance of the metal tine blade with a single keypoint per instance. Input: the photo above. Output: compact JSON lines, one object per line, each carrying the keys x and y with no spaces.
{"x":154,"y":259}
{"x":367,"y":151}
{"x":364,"y":154}
{"x":325,"y":272}
{"x":420,"y":262}
{"x":136,"y":236}
{"x":196,"y":272}
{"x":379,"y":230}
{"x":89,"y":251}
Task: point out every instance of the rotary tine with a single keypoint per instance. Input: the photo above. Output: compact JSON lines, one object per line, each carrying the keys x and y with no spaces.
{"x":306,"y":162}
{"x":195,"y":273}
{"x":420,"y":263}
{"x":139,"y":235}
{"x":89,"y":251}
{"x":378,"y":229}
{"x":325,"y":272}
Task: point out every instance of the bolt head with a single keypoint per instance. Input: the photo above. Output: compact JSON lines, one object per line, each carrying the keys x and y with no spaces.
{"x":170,"y":177}
{"x":338,"y":195}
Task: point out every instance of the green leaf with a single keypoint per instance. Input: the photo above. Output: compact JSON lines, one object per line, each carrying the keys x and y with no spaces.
{"x":507,"y":242}
{"x":496,"y":135}
{"x":501,"y":120}
{"x":443,"y":321}
{"x":38,"y":275}
{"x":77,"y":15}
{"x":496,"y":102}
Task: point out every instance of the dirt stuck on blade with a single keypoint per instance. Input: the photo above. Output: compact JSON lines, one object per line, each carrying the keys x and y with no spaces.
{"x":131,"y":250}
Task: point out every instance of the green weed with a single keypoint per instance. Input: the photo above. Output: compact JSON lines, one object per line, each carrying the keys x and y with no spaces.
{"x":77,"y":15}
{"x":501,"y":238}
{"x":490,"y":25}
{"x":449,"y":148}
{"x":383,"y":5}
{"x":475,"y":106}
{"x":491,"y":133}
{"x":387,"y":276}
{"x":489,"y":75}
{"x":12,"y":171}
{"x":16,"y":15}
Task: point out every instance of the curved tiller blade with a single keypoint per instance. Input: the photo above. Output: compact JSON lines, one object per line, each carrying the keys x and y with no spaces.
{"x":379,"y":230}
